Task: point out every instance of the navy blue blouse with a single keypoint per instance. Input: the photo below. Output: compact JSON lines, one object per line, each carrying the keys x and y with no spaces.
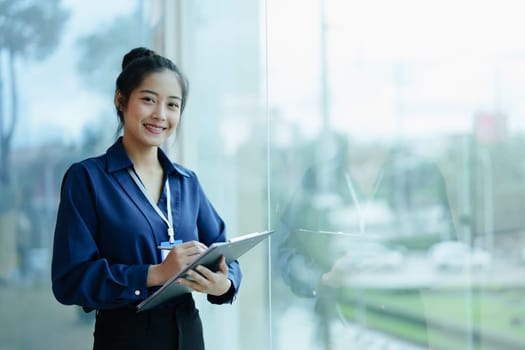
{"x":107,"y":233}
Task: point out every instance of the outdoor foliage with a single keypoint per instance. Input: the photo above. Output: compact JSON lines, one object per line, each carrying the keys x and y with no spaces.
{"x":30,"y":29}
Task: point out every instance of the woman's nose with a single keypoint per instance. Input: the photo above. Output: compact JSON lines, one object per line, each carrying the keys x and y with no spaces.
{"x":160,"y":112}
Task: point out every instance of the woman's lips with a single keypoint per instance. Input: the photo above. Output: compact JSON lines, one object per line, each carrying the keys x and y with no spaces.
{"x":154,"y":128}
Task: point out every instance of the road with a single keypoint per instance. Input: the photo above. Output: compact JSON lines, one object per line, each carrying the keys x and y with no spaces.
{"x":296,"y":329}
{"x":417,"y":272}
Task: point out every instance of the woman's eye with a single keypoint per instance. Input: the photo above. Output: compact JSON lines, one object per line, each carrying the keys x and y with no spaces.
{"x":173,"y":105}
{"x":148,"y":99}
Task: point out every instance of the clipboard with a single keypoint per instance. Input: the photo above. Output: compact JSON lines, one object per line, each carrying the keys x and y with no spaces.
{"x":322,"y":248}
{"x":231,"y":249}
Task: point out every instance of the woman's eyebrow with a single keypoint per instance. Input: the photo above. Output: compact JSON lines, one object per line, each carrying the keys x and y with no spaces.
{"x":156,"y":94}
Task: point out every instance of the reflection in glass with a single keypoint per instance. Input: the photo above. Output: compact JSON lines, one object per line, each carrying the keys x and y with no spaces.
{"x":406,"y":89}
{"x":396,"y":214}
{"x":354,"y":223}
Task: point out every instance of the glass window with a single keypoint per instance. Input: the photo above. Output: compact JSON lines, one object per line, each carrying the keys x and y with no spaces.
{"x":382,"y":141}
{"x":395,"y":174}
{"x":224,"y":138}
{"x":58,"y":65}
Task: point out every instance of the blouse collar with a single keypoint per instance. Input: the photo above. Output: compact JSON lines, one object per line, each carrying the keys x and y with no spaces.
{"x":118,"y":159}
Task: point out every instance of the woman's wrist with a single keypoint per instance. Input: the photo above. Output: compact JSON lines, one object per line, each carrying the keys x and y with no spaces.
{"x":228,"y":285}
{"x":154,"y":277}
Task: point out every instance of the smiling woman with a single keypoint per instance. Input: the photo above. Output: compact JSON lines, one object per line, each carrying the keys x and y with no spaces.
{"x":109,"y":242}
{"x":152,"y":112}
{"x":397,"y":120}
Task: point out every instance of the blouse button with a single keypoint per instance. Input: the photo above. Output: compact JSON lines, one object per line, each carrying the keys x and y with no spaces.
{"x":137,"y":292}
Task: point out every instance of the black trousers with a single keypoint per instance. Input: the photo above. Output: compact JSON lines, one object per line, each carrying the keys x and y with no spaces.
{"x":177,"y":328}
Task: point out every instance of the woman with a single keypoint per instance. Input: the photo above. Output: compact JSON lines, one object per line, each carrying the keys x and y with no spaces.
{"x":116,"y":209}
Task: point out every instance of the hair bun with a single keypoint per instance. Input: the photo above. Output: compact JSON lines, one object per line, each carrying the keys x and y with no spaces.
{"x":136,"y":53}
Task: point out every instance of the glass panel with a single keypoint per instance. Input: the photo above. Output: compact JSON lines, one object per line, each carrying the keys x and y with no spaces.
{"x":382,"y":141}
{"x":58,"y":65}
{"x":224,"y":139}
{"x":396,"y":174}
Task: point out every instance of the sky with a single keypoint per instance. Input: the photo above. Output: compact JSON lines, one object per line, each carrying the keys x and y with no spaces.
{"x":54,"y":104}
{"x":413,"y":67}
{"x":421,"y":67}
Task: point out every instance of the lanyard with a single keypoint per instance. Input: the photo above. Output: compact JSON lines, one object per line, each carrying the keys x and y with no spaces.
{"x":169,"y":220}
{"x":362,"y":216}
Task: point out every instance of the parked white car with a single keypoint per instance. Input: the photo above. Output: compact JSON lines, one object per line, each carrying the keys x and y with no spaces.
{"x":370,"y":256}
{"x":456,"y":255}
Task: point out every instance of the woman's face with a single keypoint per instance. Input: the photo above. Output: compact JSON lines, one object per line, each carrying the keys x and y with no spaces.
{"x":153,"y":110}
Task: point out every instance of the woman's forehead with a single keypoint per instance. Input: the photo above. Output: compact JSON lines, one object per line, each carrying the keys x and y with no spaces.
{"x":165,"y":82}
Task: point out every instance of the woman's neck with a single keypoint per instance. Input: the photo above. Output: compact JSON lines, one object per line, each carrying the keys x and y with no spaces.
{"x":142,"y":157}
{"x":148,"y":168}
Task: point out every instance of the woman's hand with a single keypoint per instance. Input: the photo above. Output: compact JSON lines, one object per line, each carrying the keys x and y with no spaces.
{"x":179,"y":257}
{"x":205,"y":281}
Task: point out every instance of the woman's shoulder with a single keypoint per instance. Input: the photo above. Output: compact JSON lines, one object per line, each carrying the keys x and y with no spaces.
{"x":89,"y":163}
{"x":172,"y":167}
{"x":186,"y":175}
{"x":85,"y":168}
{"x":184,"y":171}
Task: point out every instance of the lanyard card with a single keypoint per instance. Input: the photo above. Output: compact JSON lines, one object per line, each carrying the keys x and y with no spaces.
{"x":166,"y":246}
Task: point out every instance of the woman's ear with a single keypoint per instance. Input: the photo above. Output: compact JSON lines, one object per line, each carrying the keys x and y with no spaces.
{"x":119,"y":101}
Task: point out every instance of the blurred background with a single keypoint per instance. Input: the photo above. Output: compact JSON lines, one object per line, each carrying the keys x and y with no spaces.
{"x":382,"y":140}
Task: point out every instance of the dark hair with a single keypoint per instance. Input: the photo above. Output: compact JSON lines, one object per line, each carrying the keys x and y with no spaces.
{"x":137,"y":64}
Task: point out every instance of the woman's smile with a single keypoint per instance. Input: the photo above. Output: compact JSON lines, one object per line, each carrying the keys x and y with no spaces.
{"x":154,"y":129}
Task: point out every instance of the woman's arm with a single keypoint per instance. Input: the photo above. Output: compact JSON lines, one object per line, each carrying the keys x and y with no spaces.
{"x":80,"y":275}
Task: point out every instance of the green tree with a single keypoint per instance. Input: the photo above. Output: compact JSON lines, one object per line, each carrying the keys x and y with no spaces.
{"x":29,"y":29}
